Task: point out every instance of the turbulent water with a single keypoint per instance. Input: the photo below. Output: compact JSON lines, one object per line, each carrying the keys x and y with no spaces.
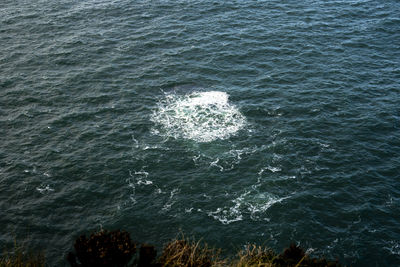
{"x":202,"y":117}
{"x":238,"y":122}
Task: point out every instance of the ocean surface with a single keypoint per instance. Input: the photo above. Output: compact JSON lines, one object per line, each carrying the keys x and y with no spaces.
{"x":237,"y":122}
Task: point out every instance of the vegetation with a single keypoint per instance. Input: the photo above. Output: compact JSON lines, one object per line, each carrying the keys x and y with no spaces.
{"x":254,"y":255}
{"x":20,"y":259}
{"x":183,"y":252}
{"x":116,"y":249}
{"x":103,"y":249}
{"x":294,"y":256}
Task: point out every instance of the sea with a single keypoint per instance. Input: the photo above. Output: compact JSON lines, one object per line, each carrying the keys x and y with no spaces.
{"x":234,"y":122}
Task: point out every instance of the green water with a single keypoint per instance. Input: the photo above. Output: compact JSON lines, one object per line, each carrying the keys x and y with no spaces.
{"x":248,"y":121}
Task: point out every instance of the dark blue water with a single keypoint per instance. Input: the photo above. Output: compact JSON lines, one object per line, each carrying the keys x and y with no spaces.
{"x":264,"y":122}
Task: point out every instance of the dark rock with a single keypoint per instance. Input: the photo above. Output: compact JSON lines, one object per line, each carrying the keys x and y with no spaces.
{"x":147,"y":256}
{"x":103,"y":249}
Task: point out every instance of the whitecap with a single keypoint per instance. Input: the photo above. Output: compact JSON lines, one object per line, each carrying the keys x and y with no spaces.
{"x":189,"y":210}
{"x":196,"y":158}
{"x":393,"y":247}
{"x":158,"y":191}
{"x":135,"y":141}
{"x":140,"y":177}
{"x":229,"y":215}
{"x":214,"y":164}
{"x":261,"y":203}
{"x":132,"y":198}
{"x":323,"y":145}
{"x":198,"y":116}
{"x":226,"y":216}
{"x":251,"y":203}
{"x":171,"y":201}
{"x":43,"y":189}
{"x":273,"y":169}
{"x":269,"y":168}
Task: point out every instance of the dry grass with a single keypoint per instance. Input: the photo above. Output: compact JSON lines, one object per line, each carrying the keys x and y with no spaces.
{"x":21,"y":259}
{"x":293,"y":256}
{"x":111,"y":249}
{"x":187,"y":253}
{"x":253,"y":256}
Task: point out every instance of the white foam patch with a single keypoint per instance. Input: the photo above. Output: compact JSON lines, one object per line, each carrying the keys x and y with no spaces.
{"x":255,"y":205}
{"x":393,"y":247}
{"x":140,"y":177}
{"x":199,"y":116}
{"x":227,"y":216}
{"x":171,"y":201}
{"x":261,"y":203}
{"x":44,"y":189}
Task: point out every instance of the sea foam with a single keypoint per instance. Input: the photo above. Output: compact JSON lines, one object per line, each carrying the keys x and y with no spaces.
{"x":199,"y":116}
